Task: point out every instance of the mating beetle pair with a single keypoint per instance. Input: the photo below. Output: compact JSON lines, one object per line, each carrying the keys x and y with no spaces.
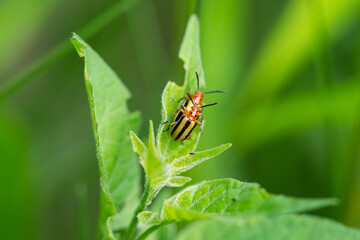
{"x":188,"y":114}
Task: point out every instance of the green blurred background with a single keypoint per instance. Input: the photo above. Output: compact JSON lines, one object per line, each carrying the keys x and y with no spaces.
{"x":291,"y":68}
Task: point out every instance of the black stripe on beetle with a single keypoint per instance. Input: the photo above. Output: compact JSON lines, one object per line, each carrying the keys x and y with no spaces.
{"x":184,"y":128}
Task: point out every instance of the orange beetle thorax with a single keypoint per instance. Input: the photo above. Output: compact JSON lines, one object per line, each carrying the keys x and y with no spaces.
{"x":193,"y":113}
{"x":197,"y":97}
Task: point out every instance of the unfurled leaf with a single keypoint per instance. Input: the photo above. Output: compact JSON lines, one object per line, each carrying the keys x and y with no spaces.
{"x":178,"y":181}
{"x":191,"y":56}
{"x":289,"y":227}
{"x":112,"y":122}
{"x":232,"y":198}
{"x":191,"y":160}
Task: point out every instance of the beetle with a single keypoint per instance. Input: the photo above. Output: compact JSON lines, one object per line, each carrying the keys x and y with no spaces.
{"x":188,"y":115}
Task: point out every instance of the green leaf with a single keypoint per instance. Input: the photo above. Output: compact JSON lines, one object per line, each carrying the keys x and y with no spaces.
{"x":112,"y":122}
{"x":139,"y":147}
{"x":121,"y":220}
{"x":148,"y":217}
{"x":156,"y":171}
{"x":190,"y":54}
{"x":232,"y":198}
{"x":289,"y":227}
{"x":191,"y":160}
{"x":178,"y":181}
{"x":157,"y":159}
{"x":154,"y":161}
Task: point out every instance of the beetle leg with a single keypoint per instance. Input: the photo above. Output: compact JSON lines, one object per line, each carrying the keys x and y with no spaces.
{"x":172,"y":124}
{"x":197,"y":122}
{"x":184,"y":110}
{"x":170,"y":116}
{"x":189,"y":137}
{"x":166,"y":129}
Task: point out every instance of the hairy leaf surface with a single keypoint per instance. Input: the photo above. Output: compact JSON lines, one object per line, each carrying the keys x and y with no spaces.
{"x":191,"y":160}
{"x":229,"y":197}
{"x":112,"y":122}
{"x":191,"y":56}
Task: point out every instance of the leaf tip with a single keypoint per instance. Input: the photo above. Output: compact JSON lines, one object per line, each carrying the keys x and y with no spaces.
{"x":78,"y":43}
{"x":194,"y":19}
{"x":227,"y":145}
{"x":151,"y":125}
{"x":138,"y":145}
{"x":332,"y":201}
{"x":132,"y":134}
{"x":151,"y":134}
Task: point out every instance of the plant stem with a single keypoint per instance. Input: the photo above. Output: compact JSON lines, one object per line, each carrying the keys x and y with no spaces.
{"x":62,"y":49}
{"x":132,"y":227}
{"x":152,"y":229}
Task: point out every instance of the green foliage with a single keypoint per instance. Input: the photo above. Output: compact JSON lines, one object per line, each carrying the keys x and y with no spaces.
{"x":238,"y":204}
{"x":190,"y":55}
{"x":289,"y":227}
{"x":160,"y":171}
{"x":111,"y":122}
{"x":187,"y":162}
{"x":178,"y":181}
{"x":229,"y":197}
{"x":162,"y":163}
{"x":291,"y":111}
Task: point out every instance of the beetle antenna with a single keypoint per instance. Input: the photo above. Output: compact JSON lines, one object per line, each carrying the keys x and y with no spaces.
{"x":216,"y":91}
{"x":197,"y":76}
{"x":190,"y":98}
{"x":208,"y":105}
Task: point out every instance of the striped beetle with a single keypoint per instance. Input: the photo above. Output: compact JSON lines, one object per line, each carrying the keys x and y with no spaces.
{"x":188,"y":114}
